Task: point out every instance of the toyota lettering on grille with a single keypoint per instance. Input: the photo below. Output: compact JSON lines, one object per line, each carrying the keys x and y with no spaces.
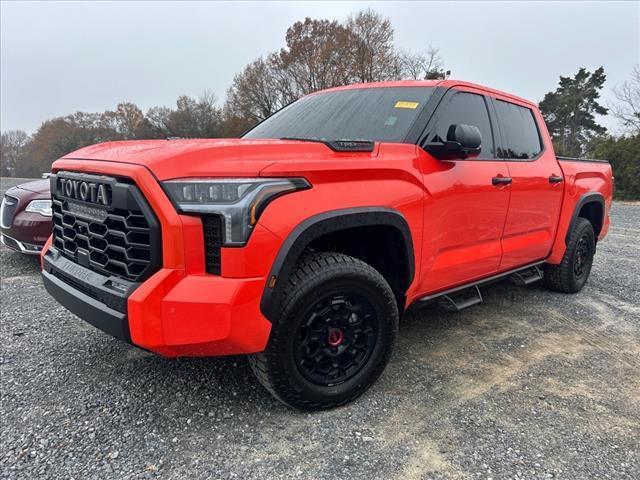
{"x":86,"y":191}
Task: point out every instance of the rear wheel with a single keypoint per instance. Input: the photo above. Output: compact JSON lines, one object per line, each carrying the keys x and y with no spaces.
{"x":570,"y":275}
{"x":335,"y":335}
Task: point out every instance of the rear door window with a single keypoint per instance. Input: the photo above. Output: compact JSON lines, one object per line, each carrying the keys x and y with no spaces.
{"x":465,"y":108}
{"x":521,"y":139}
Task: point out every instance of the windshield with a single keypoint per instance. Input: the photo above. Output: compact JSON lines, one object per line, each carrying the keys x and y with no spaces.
{"x":375,"y":114}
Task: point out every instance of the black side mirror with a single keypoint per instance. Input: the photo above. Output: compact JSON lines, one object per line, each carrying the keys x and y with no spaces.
{"x":463,"y":141}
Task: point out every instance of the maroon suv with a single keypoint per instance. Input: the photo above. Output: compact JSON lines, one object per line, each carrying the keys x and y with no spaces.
{"x":25,"y":217}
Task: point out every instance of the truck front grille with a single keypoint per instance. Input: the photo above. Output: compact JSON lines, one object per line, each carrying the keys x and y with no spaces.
{"x":122,"y":239}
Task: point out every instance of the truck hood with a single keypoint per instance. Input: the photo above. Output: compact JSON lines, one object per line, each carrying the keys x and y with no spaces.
{"x":210,"y":157}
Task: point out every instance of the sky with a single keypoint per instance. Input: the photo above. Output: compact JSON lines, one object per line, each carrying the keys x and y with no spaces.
{"x":62,"y":57}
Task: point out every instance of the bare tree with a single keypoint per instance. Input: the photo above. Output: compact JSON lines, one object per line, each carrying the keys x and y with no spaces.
{"x":257,"y":91}
{"x":316,"y":57}
{"x":426,"y":65}
{"x":628,"y":110}
{"x":321,"y":54}
{"x":372,"y":49}
{"x":192,"y":118}
{"x":126,"y":120}
{"x":158,"y":118}
{"x":12,"y":148}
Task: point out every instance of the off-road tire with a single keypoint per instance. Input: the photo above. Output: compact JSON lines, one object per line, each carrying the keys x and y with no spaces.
{"x":563,"y":277}
{"x":316,"y":277}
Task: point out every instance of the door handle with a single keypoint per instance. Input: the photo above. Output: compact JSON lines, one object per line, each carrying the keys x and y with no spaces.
{"x":501,"y":181}
{"x":555,"y":179}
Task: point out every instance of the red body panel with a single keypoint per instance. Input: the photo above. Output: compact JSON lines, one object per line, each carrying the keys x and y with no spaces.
{"x":463,"y":228}
{"x":390,"y":176}
{"x":581,"y":178}
{"x":464,"y":216}
{"x":534,"y":204}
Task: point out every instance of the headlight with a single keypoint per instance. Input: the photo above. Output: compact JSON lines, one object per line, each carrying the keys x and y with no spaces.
{"x":240,"y":201}
{"x":43,"y":207}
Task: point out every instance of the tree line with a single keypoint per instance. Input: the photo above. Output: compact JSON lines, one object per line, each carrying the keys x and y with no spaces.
{"x":569,"y":113}
{"x":320,"y":54}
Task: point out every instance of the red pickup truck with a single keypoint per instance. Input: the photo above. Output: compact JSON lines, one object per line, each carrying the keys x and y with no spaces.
{"x":302,"y":243}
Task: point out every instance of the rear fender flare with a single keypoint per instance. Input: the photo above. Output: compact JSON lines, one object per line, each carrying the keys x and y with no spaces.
{"x":589,"y":197}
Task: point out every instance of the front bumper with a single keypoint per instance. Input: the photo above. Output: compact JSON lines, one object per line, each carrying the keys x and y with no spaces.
{"x":96,"y":313}
{"x":18,"y":246}
{"x":180,"y":310}
{"x":169,"y":314}
{"x":198,"y":315}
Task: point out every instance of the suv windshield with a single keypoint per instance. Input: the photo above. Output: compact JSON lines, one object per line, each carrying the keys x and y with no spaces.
{"x":376,"y":114}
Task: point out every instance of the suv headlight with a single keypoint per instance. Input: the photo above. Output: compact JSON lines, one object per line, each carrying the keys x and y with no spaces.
{"x":240,"y":201}
{"x":43,"y":207}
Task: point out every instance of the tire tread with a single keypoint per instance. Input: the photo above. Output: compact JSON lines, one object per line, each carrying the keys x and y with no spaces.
{"x":560,"y":277}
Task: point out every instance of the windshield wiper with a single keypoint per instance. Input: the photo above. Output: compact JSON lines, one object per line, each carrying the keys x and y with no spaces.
{"x":340,"y":145}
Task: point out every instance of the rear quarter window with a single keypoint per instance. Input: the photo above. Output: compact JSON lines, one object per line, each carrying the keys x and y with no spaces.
{"x":520,"y":135}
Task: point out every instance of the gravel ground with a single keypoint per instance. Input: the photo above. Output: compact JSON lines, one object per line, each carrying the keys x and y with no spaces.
{"x":529,"y":384}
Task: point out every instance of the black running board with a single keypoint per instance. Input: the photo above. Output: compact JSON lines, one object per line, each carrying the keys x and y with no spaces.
{"x":527,"y":277}
{"x":464,"y":296}
{"x":454,"y":302}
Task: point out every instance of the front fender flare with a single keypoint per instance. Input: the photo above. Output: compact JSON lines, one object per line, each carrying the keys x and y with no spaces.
{"x":319,"y":225}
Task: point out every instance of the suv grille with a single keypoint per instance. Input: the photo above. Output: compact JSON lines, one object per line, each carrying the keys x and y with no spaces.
{"x":111,"y":241}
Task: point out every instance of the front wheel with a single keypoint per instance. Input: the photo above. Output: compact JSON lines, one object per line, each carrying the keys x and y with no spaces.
{"x":570,"y":275}
{"x":335,"y":335}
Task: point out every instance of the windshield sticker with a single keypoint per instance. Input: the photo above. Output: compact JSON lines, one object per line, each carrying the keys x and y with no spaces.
{"x":411,"y":105}
{"x":390,"y":121}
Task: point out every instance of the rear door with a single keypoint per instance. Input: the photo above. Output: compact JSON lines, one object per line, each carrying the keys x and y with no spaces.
{"x":536,"y":188}
{"x":465,"y":209}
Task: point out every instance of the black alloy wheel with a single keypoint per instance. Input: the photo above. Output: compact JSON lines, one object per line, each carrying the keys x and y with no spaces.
{"x":336,"y":338}
{"x":582,"y":260}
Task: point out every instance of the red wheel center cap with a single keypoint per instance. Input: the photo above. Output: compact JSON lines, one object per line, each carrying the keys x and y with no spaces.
{"x":335,"y":337}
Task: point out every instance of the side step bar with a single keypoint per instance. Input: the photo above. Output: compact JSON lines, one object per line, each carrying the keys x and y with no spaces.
{"x":457,"y":301}
{"x":527,"y":277}
{"x":464,"y":296}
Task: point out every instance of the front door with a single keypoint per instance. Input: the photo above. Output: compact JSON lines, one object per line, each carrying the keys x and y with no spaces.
{"x":465,"y":207}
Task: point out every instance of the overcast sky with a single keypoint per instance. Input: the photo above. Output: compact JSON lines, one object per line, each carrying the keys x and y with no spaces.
{"x":60,"y":57}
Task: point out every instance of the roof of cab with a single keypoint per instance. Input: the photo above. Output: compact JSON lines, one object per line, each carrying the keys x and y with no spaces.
{"x":430,"y":83}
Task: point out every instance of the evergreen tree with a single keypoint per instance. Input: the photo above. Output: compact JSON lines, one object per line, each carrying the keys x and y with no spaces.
{"x":570,"y":112}
{"x":624,"y":155}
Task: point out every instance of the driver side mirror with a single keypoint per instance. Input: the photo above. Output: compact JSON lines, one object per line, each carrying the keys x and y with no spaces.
{"x":463,"y":141}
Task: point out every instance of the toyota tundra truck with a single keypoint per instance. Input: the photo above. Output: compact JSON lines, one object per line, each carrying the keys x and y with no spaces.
{"x":302,"y":243}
